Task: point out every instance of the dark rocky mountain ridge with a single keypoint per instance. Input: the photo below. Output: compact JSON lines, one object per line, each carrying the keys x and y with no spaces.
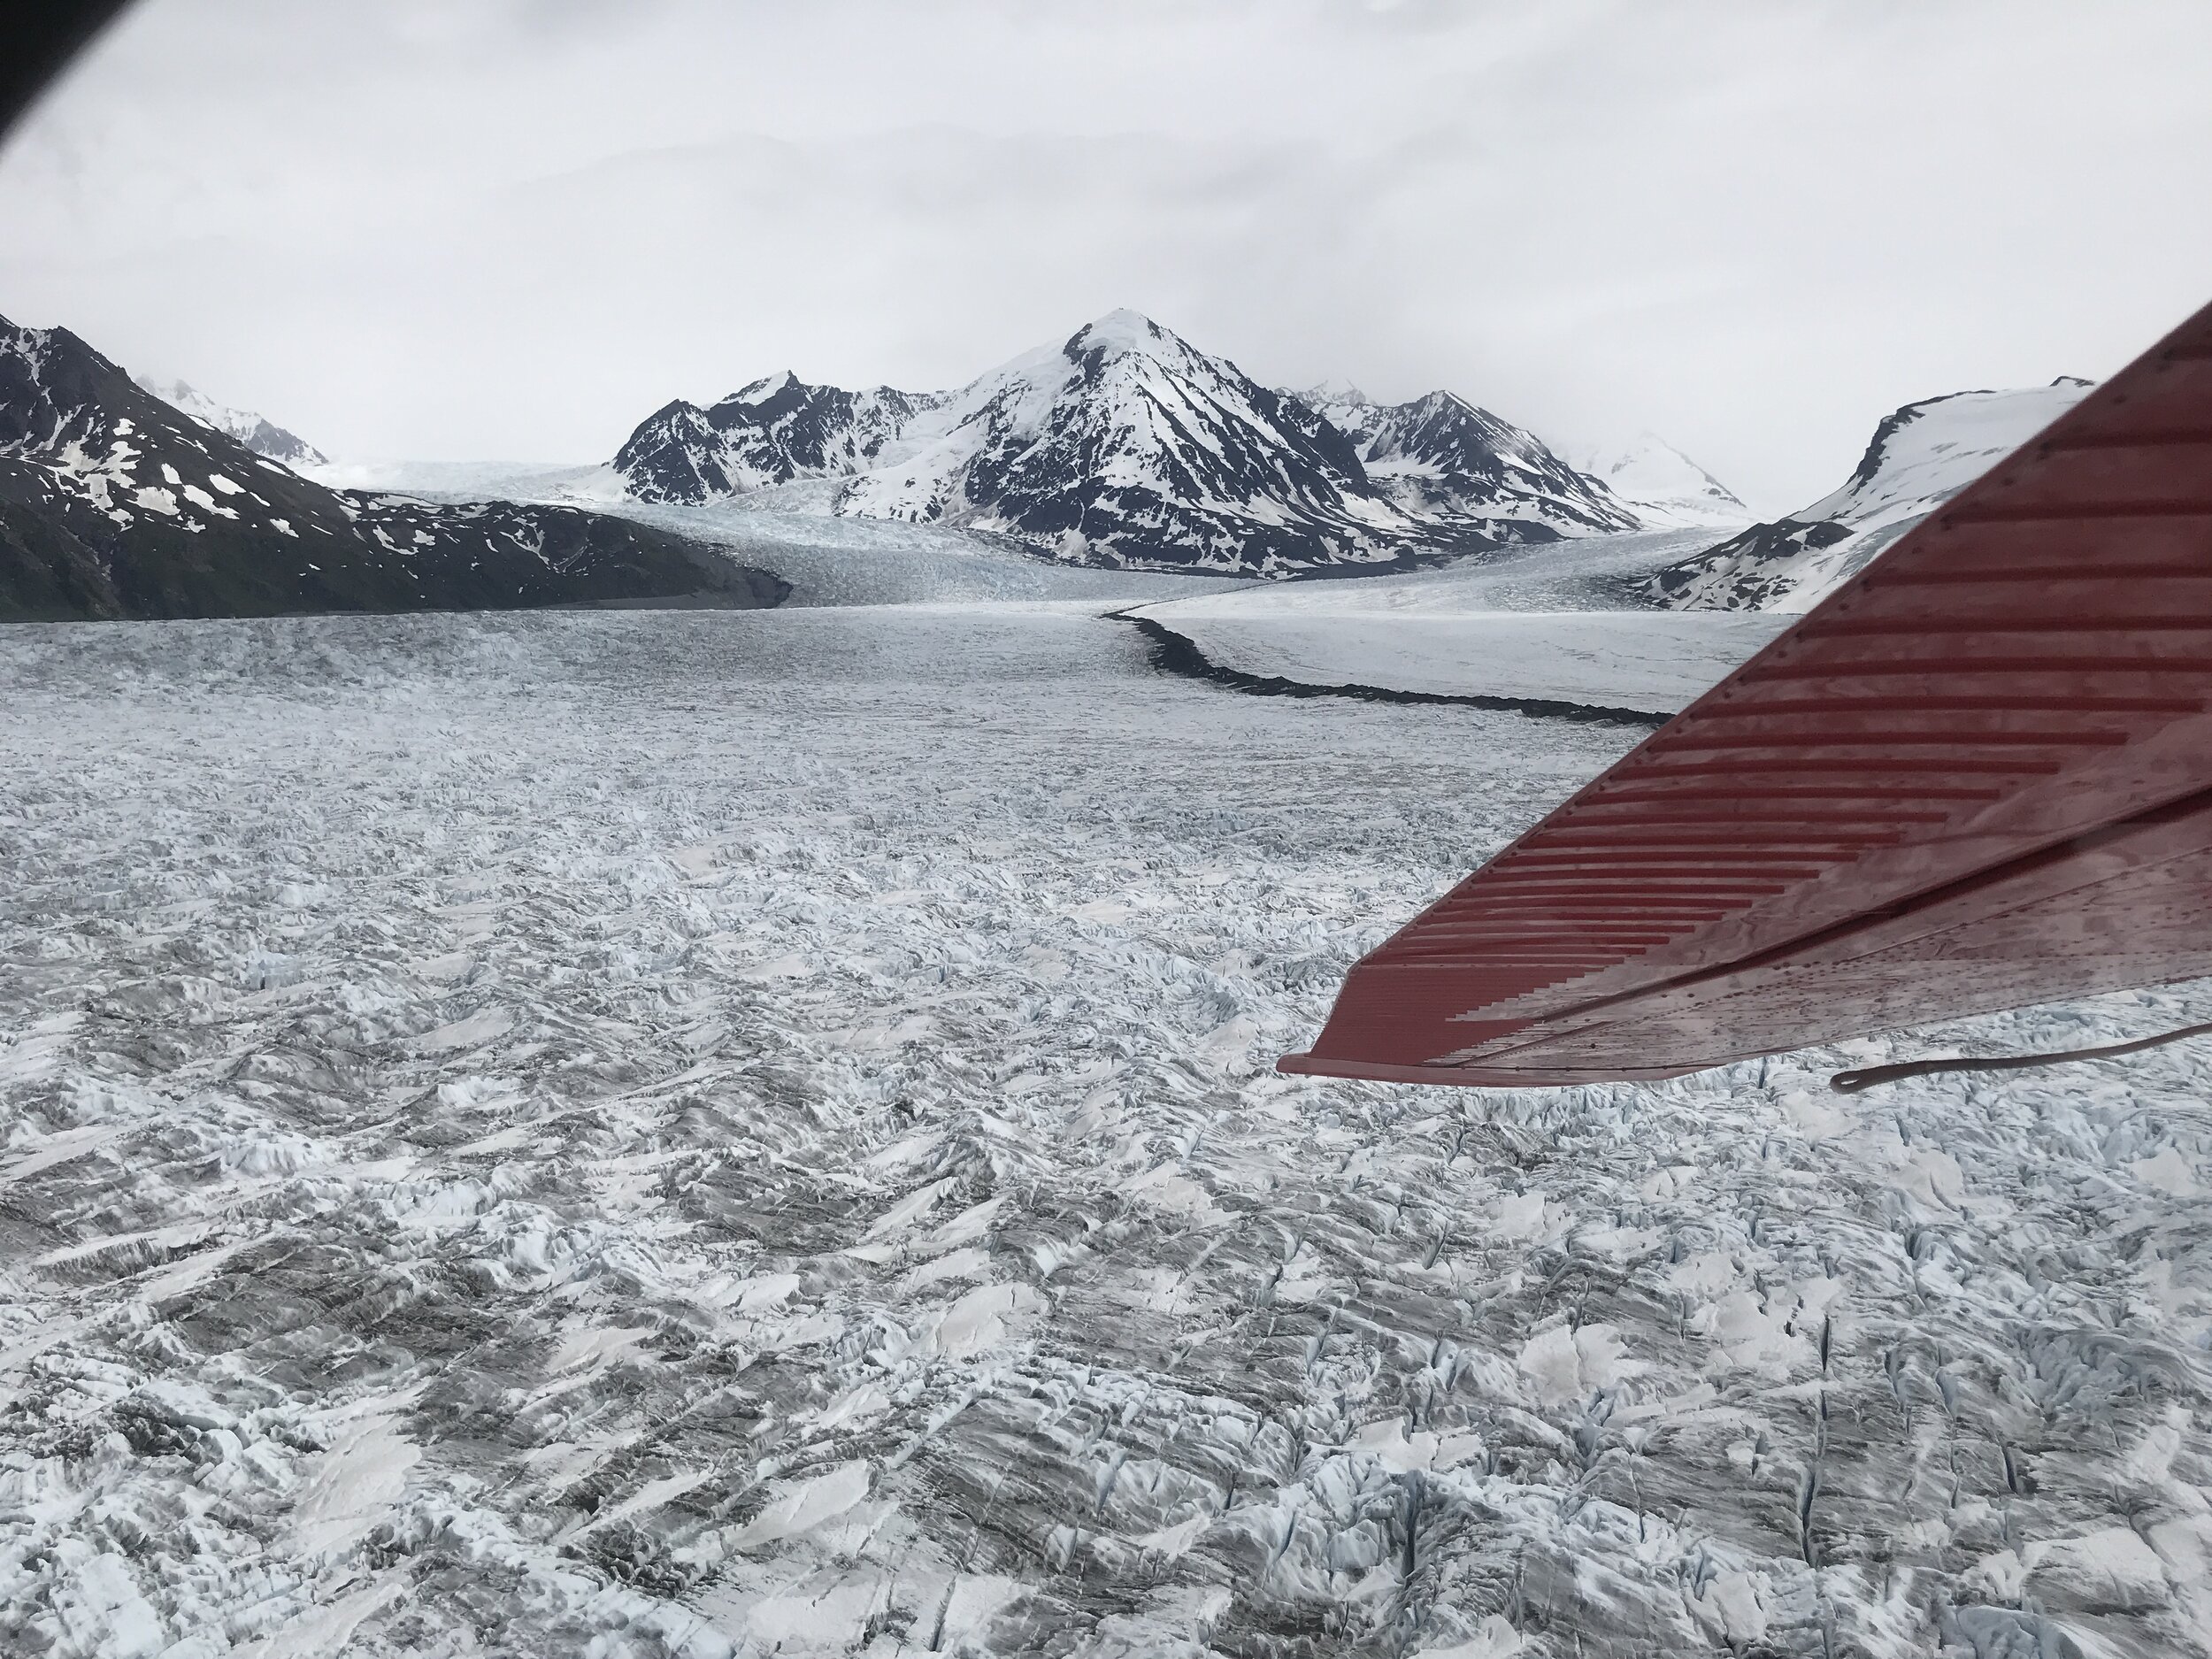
{"x":115,"y":504}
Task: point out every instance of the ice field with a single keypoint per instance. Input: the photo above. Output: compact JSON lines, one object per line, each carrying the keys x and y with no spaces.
{"x":1543,"y":624}
{"x":711,"y":1134}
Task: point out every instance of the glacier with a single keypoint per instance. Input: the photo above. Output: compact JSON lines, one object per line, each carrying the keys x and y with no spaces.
{"x":1542,"y":624}
{"x":732,"y":1132}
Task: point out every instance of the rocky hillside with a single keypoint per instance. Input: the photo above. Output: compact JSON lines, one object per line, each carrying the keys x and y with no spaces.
{"x":1920,"y":457}
{"x":115,"y":504}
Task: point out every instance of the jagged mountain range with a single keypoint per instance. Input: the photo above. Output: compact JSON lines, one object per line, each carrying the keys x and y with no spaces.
{"x":1125,"y":445}
{"x":1920,"y":457}
{"x":115,"y":504}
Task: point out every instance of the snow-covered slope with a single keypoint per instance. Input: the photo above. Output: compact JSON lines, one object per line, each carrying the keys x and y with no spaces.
{"x":113,"y":502}
{"x":257,"y":432}
{"x":1442,"y":459}
{"x":1127,"y":446}
{"x":1663,"y":486}
{"x":1922,"y":455}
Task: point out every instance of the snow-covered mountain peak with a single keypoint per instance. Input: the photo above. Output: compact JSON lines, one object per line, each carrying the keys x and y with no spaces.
{"x":768,"y":432}
{"x":181,"y":393}
{"x":1663,"y":485}
{"x":1123,"y":331}
{"x":1928,"y":451}
{"x":767,"y":388}
{"x":1125,"y":443}
{"x":1441,"y":457}
{"x":1920,"y":457}
{"x":257,"y":432}
{"x":1441,"y":416}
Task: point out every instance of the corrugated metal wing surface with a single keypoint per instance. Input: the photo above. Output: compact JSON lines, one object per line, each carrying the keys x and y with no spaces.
{"x":1979,"y":775}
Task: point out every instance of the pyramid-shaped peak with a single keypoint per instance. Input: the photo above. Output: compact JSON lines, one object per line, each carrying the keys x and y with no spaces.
{"x":766,"y":388}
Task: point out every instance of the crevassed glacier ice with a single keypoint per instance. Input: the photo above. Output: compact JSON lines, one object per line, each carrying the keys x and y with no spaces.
{"x":739,"y":1132}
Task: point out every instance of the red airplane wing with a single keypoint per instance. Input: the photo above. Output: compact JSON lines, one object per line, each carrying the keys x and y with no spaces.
{"x":1979,"y":775}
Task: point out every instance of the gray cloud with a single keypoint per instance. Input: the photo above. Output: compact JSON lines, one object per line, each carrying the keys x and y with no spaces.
{"x":508,"y":228}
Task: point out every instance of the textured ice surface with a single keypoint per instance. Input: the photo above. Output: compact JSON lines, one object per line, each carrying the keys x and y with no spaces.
{"x":827,"y":560}
{"x":1650,"y":662}
{"x":734,"y":1133}
{"x":864,"y":561}
{"x":1485,"y":627}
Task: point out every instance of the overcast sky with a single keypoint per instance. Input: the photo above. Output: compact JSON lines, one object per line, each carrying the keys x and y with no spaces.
{"x":509,"y":229}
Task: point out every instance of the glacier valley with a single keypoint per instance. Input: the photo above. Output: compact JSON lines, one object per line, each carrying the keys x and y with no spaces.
{"x":718,"y":1132}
